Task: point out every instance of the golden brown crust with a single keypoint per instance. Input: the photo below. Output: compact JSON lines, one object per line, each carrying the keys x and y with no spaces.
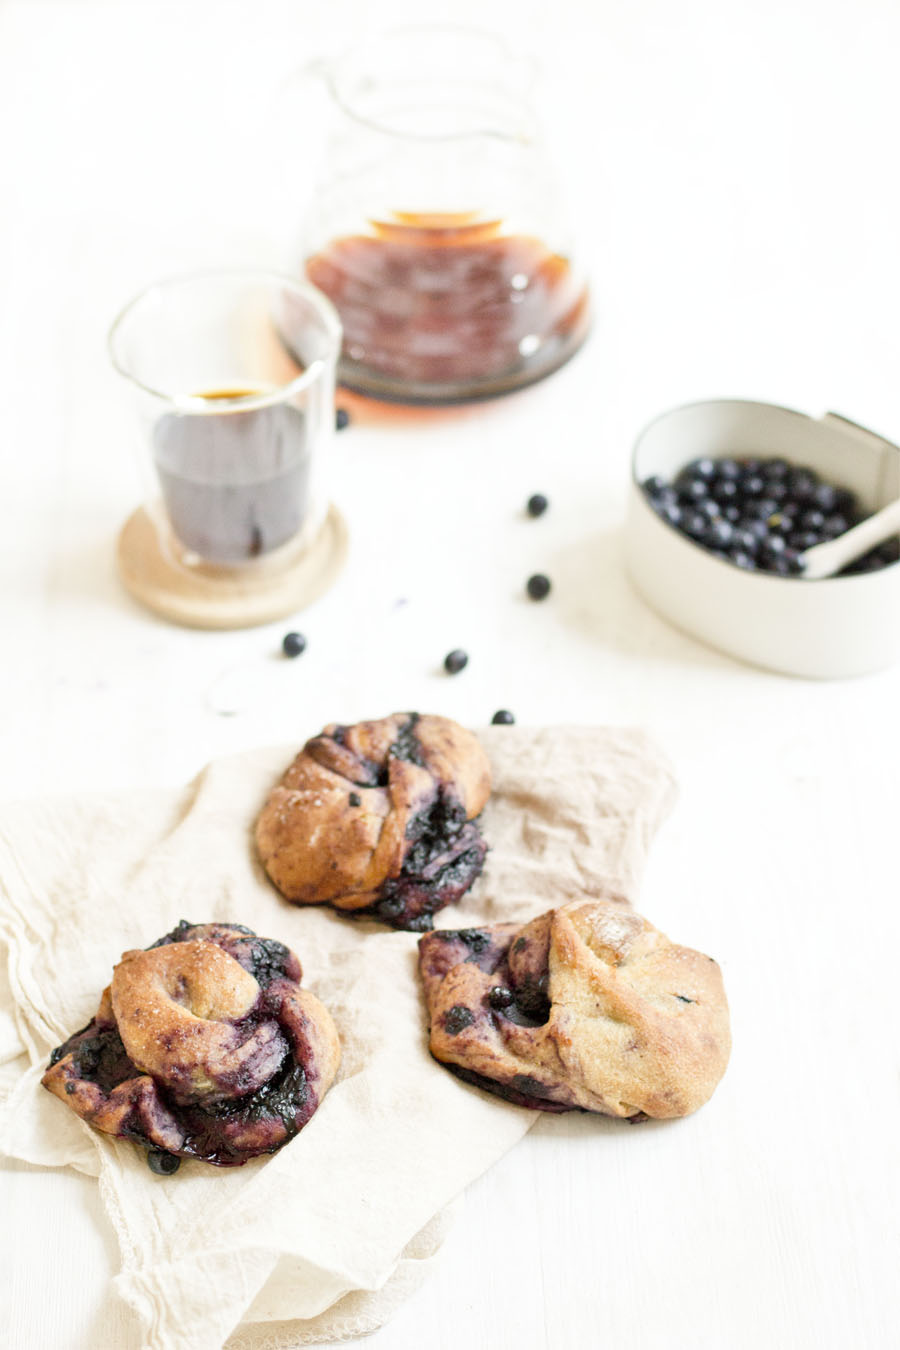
{"x":343,"y":821}
{"x":204,"y":1045}
{"x":605,"y":1013}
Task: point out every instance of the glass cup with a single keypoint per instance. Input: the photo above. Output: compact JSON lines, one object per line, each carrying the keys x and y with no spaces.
{"x":234,"y":376}
{"x":437,"y":227}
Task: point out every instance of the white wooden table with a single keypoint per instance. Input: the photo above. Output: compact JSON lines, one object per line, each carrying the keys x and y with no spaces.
{"x":734,"y":172}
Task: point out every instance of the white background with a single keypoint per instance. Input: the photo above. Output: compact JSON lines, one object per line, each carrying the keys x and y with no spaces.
{"x":732,"y":169}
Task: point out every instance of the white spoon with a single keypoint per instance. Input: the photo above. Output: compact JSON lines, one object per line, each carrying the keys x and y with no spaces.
{"x":826,"y":559}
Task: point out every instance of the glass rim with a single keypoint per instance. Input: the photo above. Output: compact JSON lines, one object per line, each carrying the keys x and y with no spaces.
{"x":332,"y":75}
{"x":197,"y":403}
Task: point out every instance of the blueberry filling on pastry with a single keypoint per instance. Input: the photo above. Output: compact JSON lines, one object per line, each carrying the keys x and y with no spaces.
{"x":204,"y":1046}
{"x":588,"y":1007}
{"x":379,"y":819}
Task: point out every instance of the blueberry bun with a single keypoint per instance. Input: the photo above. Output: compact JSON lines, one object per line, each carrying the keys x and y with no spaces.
{"x":588,"y":1006}
{"x":379,"y":819}
{"x":204,"y":1046}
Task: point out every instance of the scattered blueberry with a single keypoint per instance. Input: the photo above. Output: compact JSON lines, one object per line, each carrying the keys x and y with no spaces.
{"x":501,"y":997}
{"x":355,"y":799}
{"x":341,"y":419}
{"x":758,"y":514}
{"x":293,"y":644}
{"x":538,"y":504}
{"x":456,"y":661}
{"x":538,"y":586}
{"x":162,"y":1163}
{"x":502,"y":718}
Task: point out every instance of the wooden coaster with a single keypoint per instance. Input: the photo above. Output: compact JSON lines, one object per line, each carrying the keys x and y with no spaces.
{"x":227,"y":597}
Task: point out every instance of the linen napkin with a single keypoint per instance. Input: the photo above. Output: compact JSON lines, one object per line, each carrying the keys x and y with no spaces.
{"x":324,"y":1239}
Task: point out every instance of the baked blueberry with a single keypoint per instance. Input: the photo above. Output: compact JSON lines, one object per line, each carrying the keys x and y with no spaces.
{"x":501,"y":997}
{"x":457,"y":1018}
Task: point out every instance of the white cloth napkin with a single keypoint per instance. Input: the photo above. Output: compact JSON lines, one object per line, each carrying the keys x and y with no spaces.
{"x":324,"y":1239}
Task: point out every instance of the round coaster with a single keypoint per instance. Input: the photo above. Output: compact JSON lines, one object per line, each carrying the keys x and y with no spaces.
{"x":227,"y":597}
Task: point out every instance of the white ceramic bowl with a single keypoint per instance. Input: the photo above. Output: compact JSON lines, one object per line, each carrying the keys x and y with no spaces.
{"x":821,"y":629}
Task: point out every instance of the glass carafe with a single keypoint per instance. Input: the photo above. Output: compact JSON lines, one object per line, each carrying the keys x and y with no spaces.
{"x":436,"y":227}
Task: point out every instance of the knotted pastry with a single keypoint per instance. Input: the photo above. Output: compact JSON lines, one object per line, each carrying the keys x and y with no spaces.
{"x":586,"y":1006}
{"x":379,"y":818}
{"x":203,"y":1046}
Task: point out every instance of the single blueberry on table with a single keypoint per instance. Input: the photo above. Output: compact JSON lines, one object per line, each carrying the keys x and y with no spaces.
{"x":538,"y":586}
{"x":456,"y":661}
{"x":502,"y":718}
{"x":341,"y":419}
{"x":538,"y":503}
{"x":293,"y":644}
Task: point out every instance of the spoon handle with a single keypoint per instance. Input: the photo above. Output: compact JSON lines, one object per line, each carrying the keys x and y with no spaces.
{"x":826,"y":559}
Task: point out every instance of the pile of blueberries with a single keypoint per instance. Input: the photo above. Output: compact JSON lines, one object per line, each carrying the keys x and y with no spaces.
{"x":761,"y":514}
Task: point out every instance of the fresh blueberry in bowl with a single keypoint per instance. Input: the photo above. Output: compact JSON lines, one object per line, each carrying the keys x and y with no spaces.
{"x":758,"y":514}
